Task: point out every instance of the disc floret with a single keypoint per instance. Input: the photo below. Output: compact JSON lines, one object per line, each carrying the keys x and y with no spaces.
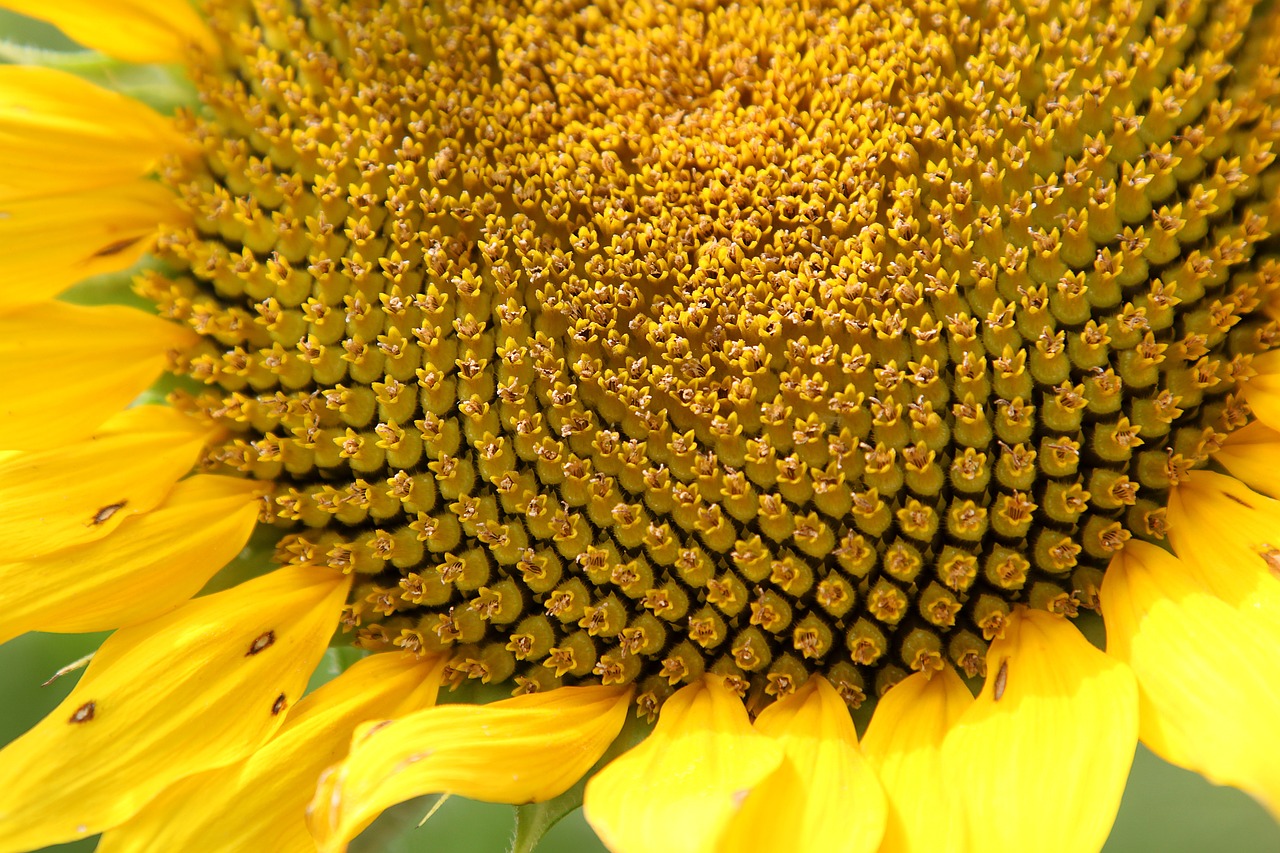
{"x":754,"y":341}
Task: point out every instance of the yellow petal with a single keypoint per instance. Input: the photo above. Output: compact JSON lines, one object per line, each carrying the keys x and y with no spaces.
{"x":260,"y":803}
{"x":825,"y":797}
{"x":1042,"y":755}
{"x":197,"y":688}
{"x":1252,"y":455}
{"x":48,"y":243}
{"x":1263,"y":391}
{"x":904,"y":745}
{"x":131,"y":30}
{"x":68,"y":368}
{"x":678,"y":790}
{"x":1229,"y":535}
{"x":1208,"y":673}
{"x":151,"y":563}
{"x":77,"y":493}
{"x":68,"y":134}
{"x":527,"y":749}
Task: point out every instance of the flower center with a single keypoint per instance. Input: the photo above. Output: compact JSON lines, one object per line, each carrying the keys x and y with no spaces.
{"x":622,"y":341}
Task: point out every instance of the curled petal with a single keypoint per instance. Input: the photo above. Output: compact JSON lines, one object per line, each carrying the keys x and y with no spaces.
{"x":521,"y":750}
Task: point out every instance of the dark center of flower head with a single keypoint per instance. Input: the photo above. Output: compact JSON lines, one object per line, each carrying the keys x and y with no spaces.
{"x":620,"y":342}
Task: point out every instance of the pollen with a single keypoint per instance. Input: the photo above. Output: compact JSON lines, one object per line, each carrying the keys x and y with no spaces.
{"x":623,"y":342}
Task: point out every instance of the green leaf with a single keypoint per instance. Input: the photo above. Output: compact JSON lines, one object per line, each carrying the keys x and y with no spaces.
{"x":534,"y":820}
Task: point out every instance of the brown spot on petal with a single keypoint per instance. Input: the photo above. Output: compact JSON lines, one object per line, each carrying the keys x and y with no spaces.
{"x":84,"y":713}
{"x":1238,"y":500}
{"x":278,"y":705}
{"x":101,"y":516}
{"x":1002,"y":681}
{"x":265,"y":639}
{"x":115,"y":248}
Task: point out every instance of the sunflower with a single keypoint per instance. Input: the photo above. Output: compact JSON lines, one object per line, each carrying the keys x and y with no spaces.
{"x":742,"y":369}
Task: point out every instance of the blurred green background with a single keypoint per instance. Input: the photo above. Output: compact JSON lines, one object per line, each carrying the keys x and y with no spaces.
{"x":1164,"y":808}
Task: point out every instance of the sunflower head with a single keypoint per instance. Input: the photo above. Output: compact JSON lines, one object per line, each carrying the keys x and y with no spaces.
{"x":726,"y":364}
{"x":620,"y":345}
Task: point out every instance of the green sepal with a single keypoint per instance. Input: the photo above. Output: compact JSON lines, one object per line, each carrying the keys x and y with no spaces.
{"x":534,"y":820}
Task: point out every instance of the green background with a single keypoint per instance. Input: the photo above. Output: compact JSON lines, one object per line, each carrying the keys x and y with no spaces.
{"x":1164,"y":808}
